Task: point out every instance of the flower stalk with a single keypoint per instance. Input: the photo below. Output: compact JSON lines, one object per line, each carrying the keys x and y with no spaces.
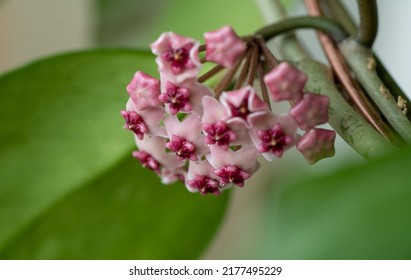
{"x":368,"y":27}
{"x":290,"y":24}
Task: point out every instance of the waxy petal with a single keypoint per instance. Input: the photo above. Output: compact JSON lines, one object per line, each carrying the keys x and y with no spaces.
{"x":155,"y":146}
{"x":152,"y":118}
{"x":177,"y":57}
{"x":189,"y":129}
{"x":317,"y":144}
{"x":310,"y":111}
{"x":245,"y":158}
{"x":242,"y":102}
{"x":144,"y":91}
{"x":169,"y":176}
{"x":201,"y":177}
{"x":266,"y":121}
{"x":223,"y":46}
{"x":285,"y":82}
{"x":214,"y":110}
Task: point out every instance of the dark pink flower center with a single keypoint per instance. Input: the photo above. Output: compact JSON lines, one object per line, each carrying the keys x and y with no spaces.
{"x":204,"y":184}
{"x":147,"y":160}
{"x":218,"y":133}
{"x":232,"y":174}
{"x":135,"y":123}
{"x":241,"y":111}
{"x":183,"y":148}
{"x":178,"y":58}
{"x":273,"y":140}
{"x":176,"y":97}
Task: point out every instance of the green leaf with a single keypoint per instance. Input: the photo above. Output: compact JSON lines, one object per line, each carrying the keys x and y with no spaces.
{"x":361,"y":212}
{"x":138,"y":23}
{"x":69,"y":187}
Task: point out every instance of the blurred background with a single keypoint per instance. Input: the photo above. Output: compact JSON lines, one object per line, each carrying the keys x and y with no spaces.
{"x":31,"y":30}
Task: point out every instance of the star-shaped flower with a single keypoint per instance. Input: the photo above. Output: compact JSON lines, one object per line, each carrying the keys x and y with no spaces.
{"x":233,"y":166}
{"x":285,"y":82}
{"x":185,"y":138}
{"x":273,"y":134}
{"x":317,"y":144}
{"x":177,"y":57}
{"x":144,"y":91}
{"x":310,"y":111}
{"x":152,"y":154}
{"x":223,"y":46}
{"x":201,"y":178}
{"x":242,"y":103}
{"x":144,"y":122}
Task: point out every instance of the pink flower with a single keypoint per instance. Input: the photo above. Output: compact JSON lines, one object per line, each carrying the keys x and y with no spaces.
{"x":201,"y":178}
{"x":185,"y":137}
{"x":204,"y":184}
{"x":310,"y":111}
{"x":233,"y":167}
{"x":135,"y":123}
{"x":183,"y":148}
{"x":184,"y":98}
{"x":223,"y":46}
{"x":177,"y":57}
{"x":273,"y":134}
{"x":153,"y":148}
{"x":317,"y":144}
{"x":219,"y":129}
{"x":285,"y":82}
{"x":147,"y":161}
{"x":144,"y":122}
{"x":144,"y":91}
{"x":176,"y":98}
{"x":183,"y":133}
{"x":242,"y":102}
{"x":218,"y":133}
{"x":232,"y":174}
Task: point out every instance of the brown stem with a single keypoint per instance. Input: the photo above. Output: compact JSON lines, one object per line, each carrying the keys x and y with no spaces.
{"x":271,"y":60}
{"x":244,"y":70}
{"x":264,"y":92}
{"x":253,"y":65}
{"x":202,"y":48}
{"x":228,"y":77}
{"x":216,"y":69}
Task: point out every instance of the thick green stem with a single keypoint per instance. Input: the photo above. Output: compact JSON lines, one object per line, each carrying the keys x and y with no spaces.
{"x":319,"y":23}
{"x":342,"y":117}
{"x":334,"y":9}
{"x":362,"y":63}
{"x":368,"y":28}
{"x":392,"y":85}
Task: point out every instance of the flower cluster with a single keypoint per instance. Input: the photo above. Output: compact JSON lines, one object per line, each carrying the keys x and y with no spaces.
{"x":210,"y":139}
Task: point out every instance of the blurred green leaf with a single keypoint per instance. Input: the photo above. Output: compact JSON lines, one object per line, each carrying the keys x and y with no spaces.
{"x":362,"y":212}
{"x":138,"y":23}
{"x":69,"y":187}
